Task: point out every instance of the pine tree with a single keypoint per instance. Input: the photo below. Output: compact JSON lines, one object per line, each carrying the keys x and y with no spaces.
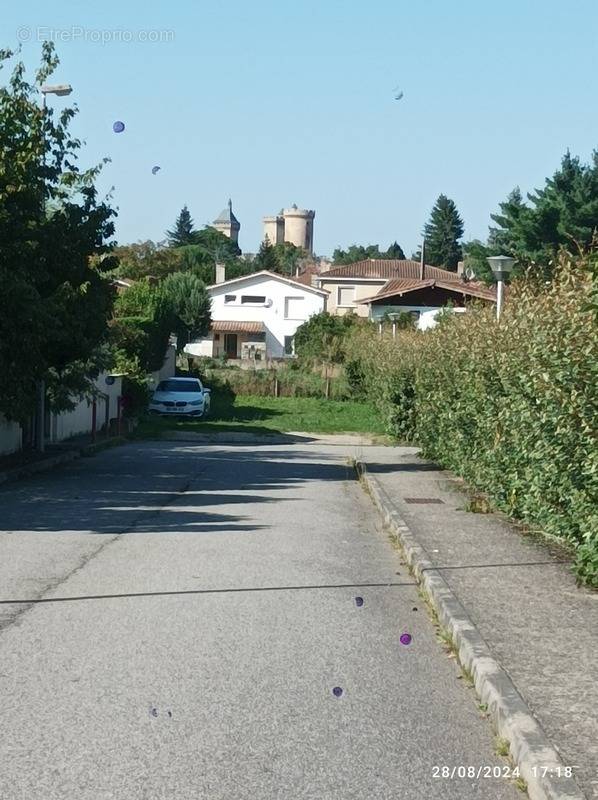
{"x":266,"y":257}
{"x":395,"y":251}
{"x":442,"y":234}
{"x":183,"y":232}
{"x":564,"y":212}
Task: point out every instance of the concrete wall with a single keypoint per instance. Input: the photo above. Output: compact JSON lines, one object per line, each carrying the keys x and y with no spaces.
{"x":168,"y":368}
{"x":79,"y":420}
{"x":271,"y":313}
{"x":11,"y":436}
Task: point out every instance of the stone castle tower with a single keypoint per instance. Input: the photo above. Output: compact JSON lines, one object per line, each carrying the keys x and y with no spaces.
{"x":295,"y":225}
{"x":228,"y":224}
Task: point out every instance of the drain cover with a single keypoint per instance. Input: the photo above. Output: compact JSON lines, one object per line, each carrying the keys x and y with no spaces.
{"x":423,"y":500}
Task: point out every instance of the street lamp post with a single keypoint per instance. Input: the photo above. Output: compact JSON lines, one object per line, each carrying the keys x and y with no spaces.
{"x":501,"y":267}
{"x":60,"y":90}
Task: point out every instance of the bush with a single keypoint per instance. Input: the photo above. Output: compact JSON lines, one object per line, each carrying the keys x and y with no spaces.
{"x":293,"y":381}
{"x":511,"y":407}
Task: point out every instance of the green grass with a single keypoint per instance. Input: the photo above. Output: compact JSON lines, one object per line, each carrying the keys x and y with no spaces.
{"x":275,"y":415}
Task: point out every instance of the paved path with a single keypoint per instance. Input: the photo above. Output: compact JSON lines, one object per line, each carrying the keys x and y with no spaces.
{"x":521,"y":596}
{"x":208,"y":672}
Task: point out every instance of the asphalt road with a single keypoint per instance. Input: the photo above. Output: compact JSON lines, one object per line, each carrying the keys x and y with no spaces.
{"x":196,"y":609}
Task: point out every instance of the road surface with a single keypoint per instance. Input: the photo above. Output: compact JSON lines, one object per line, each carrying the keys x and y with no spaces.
{"x":196,"y":608}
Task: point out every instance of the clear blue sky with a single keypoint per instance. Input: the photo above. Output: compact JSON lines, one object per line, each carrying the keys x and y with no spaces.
{"x":274,"y":103}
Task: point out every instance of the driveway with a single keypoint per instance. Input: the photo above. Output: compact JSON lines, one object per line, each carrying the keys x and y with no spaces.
{"x":196,"y":608}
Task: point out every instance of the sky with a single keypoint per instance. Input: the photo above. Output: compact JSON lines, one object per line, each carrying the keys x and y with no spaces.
{"x":273,"y":103}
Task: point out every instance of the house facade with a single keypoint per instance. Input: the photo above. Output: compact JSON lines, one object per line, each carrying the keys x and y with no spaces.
{"x":375,"y":288}
{"x":255,"y":317}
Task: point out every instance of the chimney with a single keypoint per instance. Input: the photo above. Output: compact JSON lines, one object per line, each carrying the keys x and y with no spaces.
{"x":422,"y":262}
{"x":460,"y":268}
{"x":220,"y":273}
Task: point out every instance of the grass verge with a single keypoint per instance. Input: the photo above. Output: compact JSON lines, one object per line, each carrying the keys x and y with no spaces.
{"x":261,"y":415}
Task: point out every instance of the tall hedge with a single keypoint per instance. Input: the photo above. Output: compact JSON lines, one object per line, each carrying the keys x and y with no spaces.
{"x":511,"y":406}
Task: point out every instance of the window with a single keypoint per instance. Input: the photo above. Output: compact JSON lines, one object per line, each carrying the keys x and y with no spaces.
{"x":230,"y":298}
{"x":178,"y":385}
{"x":289,"y":345}
{"x":293,"y":308}
{"x":256,"y":337}
{"x":252,"y":298}
{"x":415,"y":315}
{"x":216,"y":337}
{"x":345,"y":296}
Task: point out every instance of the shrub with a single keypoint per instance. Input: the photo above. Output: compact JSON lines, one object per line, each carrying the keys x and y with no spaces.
{"x":511,"y":407}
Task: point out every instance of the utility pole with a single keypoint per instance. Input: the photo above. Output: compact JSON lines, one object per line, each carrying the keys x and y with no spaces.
{"x":40,"y":437}
{"x":422,"y":261}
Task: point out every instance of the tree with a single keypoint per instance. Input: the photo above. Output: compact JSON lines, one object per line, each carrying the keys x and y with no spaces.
{"x":357,"y":252}
{"x":321,"y":338}
{"x":143,"y":259}
{"x":141,"y":328}
{"x":187,"y":304}
{"x":442,"y":234}
{"x":51,"y":223}
{"x":564,"y":213}
{"x":288,"y":257}
{"x":183,"y":232}
{"x":395,"y":251}
{"x":266,"y":257}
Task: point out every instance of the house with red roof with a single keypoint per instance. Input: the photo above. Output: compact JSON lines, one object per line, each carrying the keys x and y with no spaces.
{"x":375,"y":288}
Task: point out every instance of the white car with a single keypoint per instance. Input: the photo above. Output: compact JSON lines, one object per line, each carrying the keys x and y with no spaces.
{"x":180,"y":397}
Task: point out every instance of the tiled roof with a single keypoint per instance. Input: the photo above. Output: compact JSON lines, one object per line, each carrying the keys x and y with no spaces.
{"x":403,"y":275}
{"x":401,"y":286}
{"x":389,"y":268}
{"x":237,"y":326}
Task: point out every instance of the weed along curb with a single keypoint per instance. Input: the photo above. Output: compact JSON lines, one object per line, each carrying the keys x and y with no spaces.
{"x":537,"y":759}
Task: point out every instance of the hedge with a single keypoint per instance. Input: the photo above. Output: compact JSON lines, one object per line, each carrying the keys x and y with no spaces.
{"x":510,"y":406}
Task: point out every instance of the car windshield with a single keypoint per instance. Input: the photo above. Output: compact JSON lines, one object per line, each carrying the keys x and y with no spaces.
{"x":178,"y":386}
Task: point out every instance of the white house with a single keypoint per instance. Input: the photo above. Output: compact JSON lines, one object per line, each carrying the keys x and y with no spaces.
{"x":255,"y":317}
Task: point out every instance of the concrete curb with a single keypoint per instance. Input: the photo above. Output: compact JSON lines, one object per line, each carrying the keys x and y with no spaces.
{"x":529,"y":746}
{"x":45,"y":464}
{"x":240,"y":437}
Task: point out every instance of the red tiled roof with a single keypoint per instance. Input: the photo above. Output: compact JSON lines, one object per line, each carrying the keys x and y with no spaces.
{"x":389,"y":268}
{"x":403,"y":275}
{"x":400,"y":286}
{"x":236,"y":326}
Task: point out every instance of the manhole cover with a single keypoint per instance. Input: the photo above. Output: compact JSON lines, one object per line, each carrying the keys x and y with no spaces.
{"x":423,"y":500}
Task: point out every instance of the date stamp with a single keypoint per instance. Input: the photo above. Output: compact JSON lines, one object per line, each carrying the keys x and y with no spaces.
{"x":496,"y":771}
{"x":474,"y":771}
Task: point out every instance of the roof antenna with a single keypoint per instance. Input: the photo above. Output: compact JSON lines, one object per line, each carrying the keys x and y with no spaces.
{"x":422,"y":262}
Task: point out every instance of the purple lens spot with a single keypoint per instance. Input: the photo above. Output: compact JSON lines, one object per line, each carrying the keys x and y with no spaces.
{"x":170,"y":714}
{"x":337,"y":691}
{"x":118,"y":127}
{"x":154,"y":712}
{"x":359,"y":601}
{"x":154,"y":170}
{"x":405,"y":638}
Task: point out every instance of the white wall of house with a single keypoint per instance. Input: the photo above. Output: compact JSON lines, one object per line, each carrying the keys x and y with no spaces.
{"x":283,"y":309}
{"x":427,"y":315}
{"x":11,"y":436}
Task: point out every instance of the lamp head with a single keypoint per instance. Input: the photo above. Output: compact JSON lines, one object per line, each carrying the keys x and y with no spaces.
{"x":60,"y":89}
{"x":501,"y":265}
